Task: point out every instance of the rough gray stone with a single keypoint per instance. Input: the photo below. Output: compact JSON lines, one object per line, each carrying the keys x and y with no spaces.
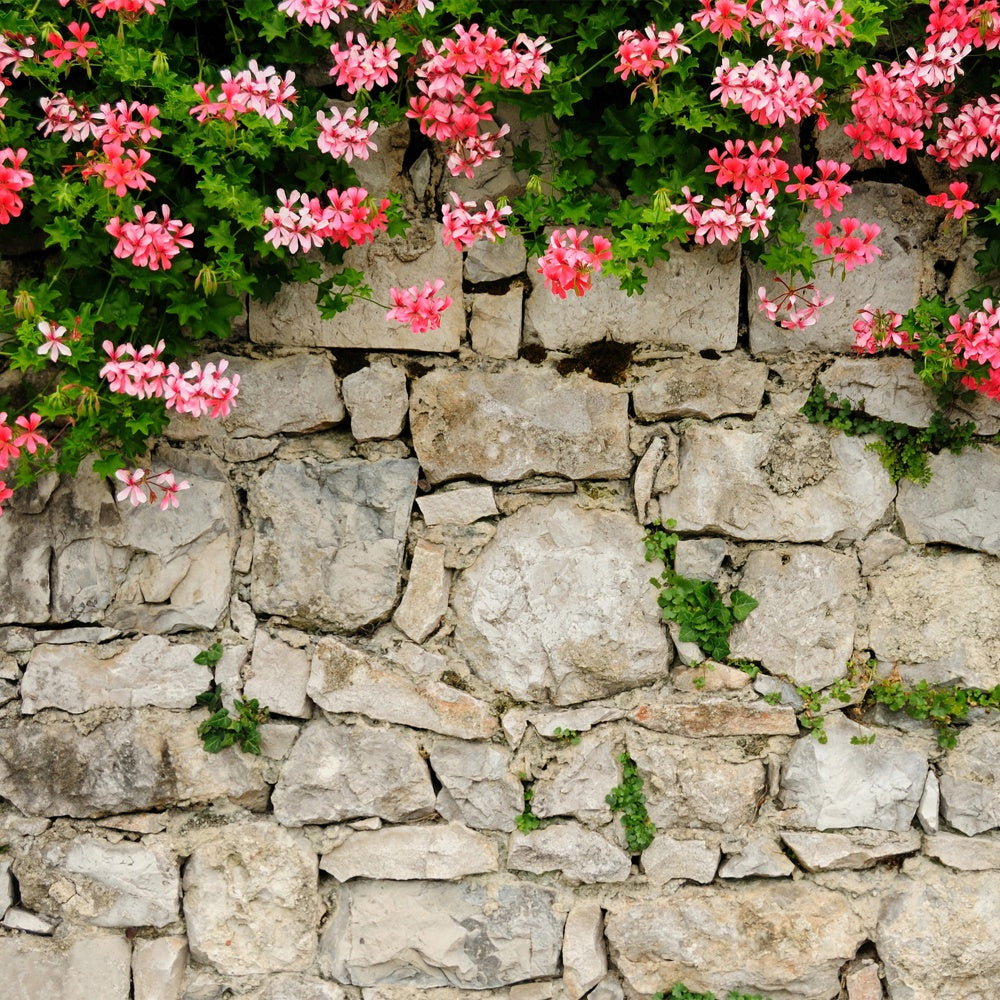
{"x":518,"y":423}
{"x":695,"y":387}
{"x":579,"y":720}
{"x":804,"y":625}
{"x":17,"y":918}
{"x":929,"y":810}
{"x":585,"y":958}
{"x":645,"y":477}
{"x":839,"y":784}
{"x":377,"y":401}
{"x":475,"y":936}
{"x":149,"y":759}
{"x":79,"y":968}
{"x":8,"y":692}
{"x":576,"y":782}
{"x":820,"y":852}
{"x":493,"y":261}
{"x":328,"y":544}
{"x":277,"y":676}
{"x":843,"y":493}
{"x":971,"y":854}
{"x":425,"y":599}
{"x":557,"y":607}
{"x":479,"y":786}
{"x":801,"y":936}
{"x":760,"y":857}
{"x":939,"y":934}
{"x":108,"y":885}
{"x":961,"y":503}
{"x":495,"y":323}
{"x":150,"y":671}
{"x":462,"y":542}
{"x":608,"y":989}
{"x":347,"y":679}
{"x":341,"y":771}
{"x":299,"y":987}
{"x":863,"y":982}
{"x":669,"y":858}
{"x":292,"y":318}
{"x":158,"y":966}
{"x":578,"y":854}
{"x":716,"y":717}
{"x":700,"y":558}
{"x":697,"y":289}
{"x":459,"y":506}
{"x":250,"y":900}
{"x":970,"y":782}
{"x":884,"y":387}
{"x":439,"y":851}
{"x":6,"y":887}
{"x":710,"y":676}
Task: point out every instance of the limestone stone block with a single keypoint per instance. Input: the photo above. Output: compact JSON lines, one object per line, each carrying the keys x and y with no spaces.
{"x":425,"y":599}
{"x":6,"y":886}
{"x":278,"y":675}
{"x":472,"y":935}
{"x":148,"y":759}
{"x":938,"y":934}
{"x":557,"y":607}
{"x":959,"y":506}
{"x":517,"y":423}
{"x":479,"y":786}
{"x":438,"y":851}
{"x":970,"y":854}
{"x":17,"y":918}
{"x":710,"y":676}
{"x":328,"y":541}
{"x":804,"y":625}
{"x":716,"y":717}
{"x":970,"y":782}
{"x":609,"y":988}
{"x":696,"y":291}
{"x":495,"y":323}
{"x":838,"y":784}
{"x":88,"y":880}
{"x":297,"y":986}
{"x":579,"y":720}
{"x":697,"y":387}
{"x":251,"y":900}
{"x":130,"y":674}
{"x":571,"y":850}
{"x":576,"y":782}
{"x":929,"y":810}
{"x":883,"y":387}
{"x":585,"y":957}
{"x":8,"y":692}
{"x":459,"y":506}
{"x":343,"y":771}
{"x":863,"y":983}
{"x":347,"y":679}
{"x":820,"y":852}
{"x":645,"y":477}
{"x":668,"y":858}
{"x":377,"y":401}
{"x":292,"y":319}
{"x":700,"y":558}
{"x":83,"y":967}
{"x":779,"y":938}
{"x":158,"y":966}
{"x":496,"y":260}
{"x":782,"y":486}
{"x":759,"y":857}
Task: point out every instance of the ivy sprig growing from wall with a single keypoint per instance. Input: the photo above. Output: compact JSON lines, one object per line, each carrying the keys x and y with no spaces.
{"x":628,"y":799}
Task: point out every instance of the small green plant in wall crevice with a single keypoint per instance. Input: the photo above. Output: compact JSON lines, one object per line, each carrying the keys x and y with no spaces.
{"x":220,"y":729}
{"x":629,"y":799}
{"x":527,"y":820}
{"x":681,"y":992}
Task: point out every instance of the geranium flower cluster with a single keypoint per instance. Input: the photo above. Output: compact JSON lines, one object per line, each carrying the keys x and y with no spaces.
{"x":363,"y":66}
{"x":977,"y":339}
{"x":327,"y":12}
{"x":140,"y":486}
{"x":301,"y":222}
{"x":790,"y":25}
{"x":796,"y":307}
{"x":767,"y":92}
{"x":463,"y":225}
{"x":29,"y":439}
{"x":568,"y":265}
{"x":127,"y":9}
{"x":255,"y":89}
{"x":345,"y":134}
{"x":13,"y":179}
{"x":52,"y":341}
{"x":76,"y":48}
{"x":647,"y":52}
{"x":421,"y":308}
{"x":953,"y":201}
{"x":853,"y":246}
{"x":150,"y":242}
{"x":879,"y":329}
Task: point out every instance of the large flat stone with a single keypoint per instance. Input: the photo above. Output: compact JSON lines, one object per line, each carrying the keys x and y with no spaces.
{"x":479,"y":786}
{"x":475,"y":936}
{"x":716,"y":717}
{"x":696,"y":387}
{"x":969,"y":854}
{"x":669,"y":858}
{"x":81,"y":968}
{"x":820,"y":852}
{"x":328,"y":542}
{"x":577,"y":780}
{"x":883,"y":387}
{"x":558,"y":607}
{"x":970,"y":782}
{"x":577,"y":854}
{"x":522,"y":422}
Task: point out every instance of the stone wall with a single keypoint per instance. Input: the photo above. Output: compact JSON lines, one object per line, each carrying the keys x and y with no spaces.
{"x":425,"y":554}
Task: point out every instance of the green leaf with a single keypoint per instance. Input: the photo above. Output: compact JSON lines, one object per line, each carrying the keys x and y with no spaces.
{"x":742,"y":604}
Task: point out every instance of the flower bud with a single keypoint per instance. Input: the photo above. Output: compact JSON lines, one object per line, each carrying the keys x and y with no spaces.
{"x":161,"y":64}
{"x":24,"y":304}
{"x":206,"y":280}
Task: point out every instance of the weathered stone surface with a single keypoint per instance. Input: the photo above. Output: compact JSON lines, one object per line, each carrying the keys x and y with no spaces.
{"x":557,"y":607}
{"x":971,"y":854}
{"x":821,"y":852}
{"x":929,"y":810}
{"x":695,"y":786}
{"x":517,"y":423}
{"x":884,"y":387}
{"x":8,"y":692}
{"x":961,"y":503}
{"x":710,"y":676}
{"x":150,"y":671}
{"x":841,"y":492}
{"x":479,"y":786}
{"x":915,"y":623}
{"x":796,"y":937}
{"x":6,"y":886}
{"x":108,"y":885}
{"x":462,"y":542}
{"x":577,"y":781}
{"x":80,"y":968}
{"x":670,"y":858}
{"x":839,"y":784}
{"x":939,"y":934}
{"x":250,"y":900}
{"x":493,"y":261}
{"x":17,"y":918}
{"x":277,"y":676}
{"x":760,"y":857}
{"x":376,"y":399}
{"x":803,"y":627}
{"x":425,"y":599}
{"x":460,"y":506}
{"x":700,"y":558}
{"x":578,"y":854}
{"x":292,"y":318}
{"x":970,"y":782}
{"x":328,"y":542}
{"x":695,"y":387}
{"x":578,"y":720}
{"x":440,"y":851}
{"x":158,"y":968}
{"x":585,"y":958}
{"x":476,"y":936}
{"x":698,"y":290}
{"x":716,"y":717}
{"x":347,"y":679}
{"x":645,"y":477}
{"x":299,"y":987}
{"x":608,"y":989}
{"x":863,"y":983}
{"x":148,"y":759}
{"x":342,"y":771}
{"x":495,"y":323}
